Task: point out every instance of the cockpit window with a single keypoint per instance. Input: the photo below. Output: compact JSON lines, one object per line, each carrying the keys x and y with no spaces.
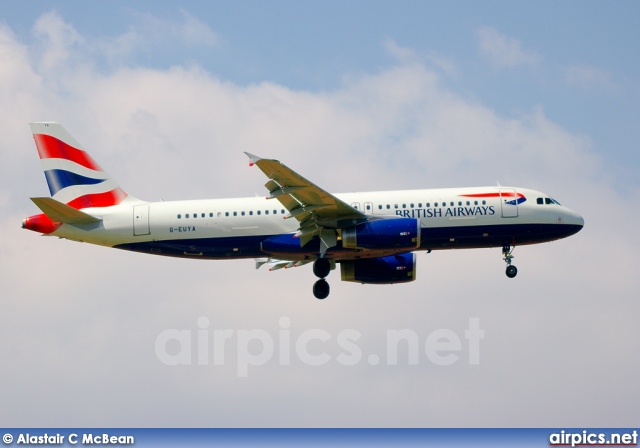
{"x":551,"y":201}
{"x":540,"y":200}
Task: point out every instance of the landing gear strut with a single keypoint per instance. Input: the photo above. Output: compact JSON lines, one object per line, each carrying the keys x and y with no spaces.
{"x":511,"y":270}
{"x":321,"y":268}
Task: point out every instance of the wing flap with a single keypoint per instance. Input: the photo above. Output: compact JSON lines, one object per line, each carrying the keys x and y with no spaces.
{"x":275,"y":264}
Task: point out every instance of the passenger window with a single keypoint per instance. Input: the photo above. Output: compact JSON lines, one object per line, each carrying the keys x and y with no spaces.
{"x":459,"y":203}
{"x":468,"y":203}
{"x":187,"y":215}
{"x":203,"y":215}
{"x":404,"y":205}
{"x":226,"y":213}
{"x":195,"y":215}
{"x":251,"y":213}
{"x":282,"y":211}
{"x":484,"y":202}
{"x":266,"y":212}
{"x":419,"y":204}
{"x":435,"y":205}
{"x":451,"y":204}
{"x":242,"y":213}
{"x":388,"y":206}
{"x":540,"y":201}
{"x":258,"y":212}
{"x":379,"y":207}
{"x":411,"y":205}
{"x":179,"y":216}
{"x":475,"y":202}
{"x":428,"y":205}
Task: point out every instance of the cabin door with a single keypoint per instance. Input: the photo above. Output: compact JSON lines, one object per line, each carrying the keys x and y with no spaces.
{"x":141,"y":220}
{"x":509,"y":203}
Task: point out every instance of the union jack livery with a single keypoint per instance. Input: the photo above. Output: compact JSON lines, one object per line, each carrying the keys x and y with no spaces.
{"x":373,"y":236}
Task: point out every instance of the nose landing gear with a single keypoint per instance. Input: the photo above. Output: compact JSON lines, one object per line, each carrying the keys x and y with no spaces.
{"x":321,"y":268}
{"x":511,"y":270}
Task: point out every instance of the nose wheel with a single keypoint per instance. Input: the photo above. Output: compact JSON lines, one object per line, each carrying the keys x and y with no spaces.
{"x":321,"y":268}
{"x":321,"y":289}
{"x":507,"y":252}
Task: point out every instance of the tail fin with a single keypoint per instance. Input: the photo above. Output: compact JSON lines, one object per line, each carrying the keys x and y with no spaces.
{"x":74,"y":178}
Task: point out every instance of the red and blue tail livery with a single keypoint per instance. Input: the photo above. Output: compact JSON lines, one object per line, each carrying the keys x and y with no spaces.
{"x":74,"y":178}
{"x":371,"y":236}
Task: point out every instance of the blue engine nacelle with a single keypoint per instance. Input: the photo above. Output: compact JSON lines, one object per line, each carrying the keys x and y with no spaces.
{"x":399,"y":268}
{"x":392,"y":233}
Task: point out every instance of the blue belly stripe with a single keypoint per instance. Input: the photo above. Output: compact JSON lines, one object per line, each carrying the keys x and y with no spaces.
{"x":431,"y":239}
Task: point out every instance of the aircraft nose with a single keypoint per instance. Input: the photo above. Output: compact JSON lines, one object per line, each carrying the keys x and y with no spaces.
{"x":576,"y":220}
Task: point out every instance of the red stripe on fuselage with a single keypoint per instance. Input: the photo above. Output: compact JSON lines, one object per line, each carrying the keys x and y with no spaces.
{"x":51,"y":148}
{"x":113,"y":197}
{"x":493,"y":195}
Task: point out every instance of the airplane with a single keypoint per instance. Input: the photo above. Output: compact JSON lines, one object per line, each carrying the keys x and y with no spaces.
{"x":373,"y":236}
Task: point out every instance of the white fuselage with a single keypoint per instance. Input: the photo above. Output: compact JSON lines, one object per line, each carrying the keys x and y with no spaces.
{"x":234,"y":228}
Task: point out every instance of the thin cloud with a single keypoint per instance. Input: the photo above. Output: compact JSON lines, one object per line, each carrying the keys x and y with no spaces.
{"x":402,"y":54}
{"x":195,"y":32}
{"x":189,"y":30}
{"x":588,"y":78}
{"x":503,"y":51}
{"x":406,"y":55}
{"x":60,"y":41}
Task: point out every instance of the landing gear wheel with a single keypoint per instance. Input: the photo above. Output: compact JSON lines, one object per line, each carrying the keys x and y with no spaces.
{"x":321,"y":289}
{"x":507,"y":253}
{"x":321,"y":268}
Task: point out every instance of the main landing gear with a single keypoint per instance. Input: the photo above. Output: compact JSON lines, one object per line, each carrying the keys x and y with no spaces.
{"x":511,"y":270}
{"x":321,"y":268}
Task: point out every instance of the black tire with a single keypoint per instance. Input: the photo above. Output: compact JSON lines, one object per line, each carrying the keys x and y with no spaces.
{"x":511,"y":271}
{"x":321,"y":267}
{"x":321,"y":289}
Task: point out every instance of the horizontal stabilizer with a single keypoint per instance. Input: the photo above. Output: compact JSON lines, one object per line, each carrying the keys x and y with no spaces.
{"x":59,"y":212}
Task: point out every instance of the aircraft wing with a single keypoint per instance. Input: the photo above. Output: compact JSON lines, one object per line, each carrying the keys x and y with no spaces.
{"x":318,"y":212}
